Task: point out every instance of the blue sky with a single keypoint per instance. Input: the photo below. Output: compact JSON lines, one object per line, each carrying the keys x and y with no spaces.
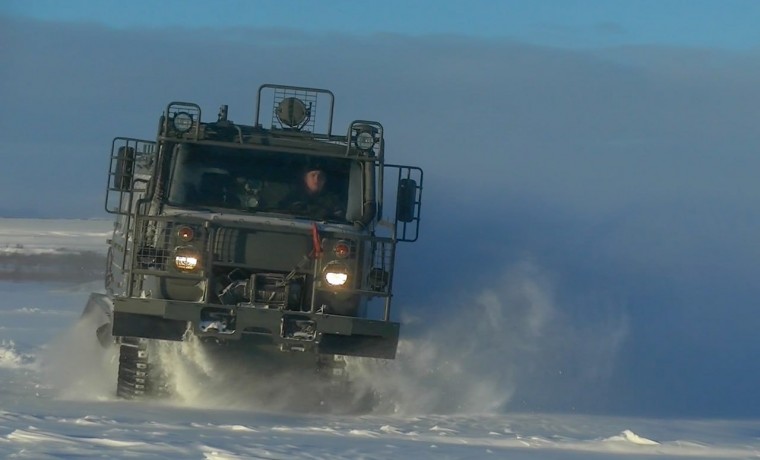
{"x":570,"y":23}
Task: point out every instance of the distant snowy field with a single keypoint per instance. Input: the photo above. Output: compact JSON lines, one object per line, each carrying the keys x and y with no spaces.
{"x":56,"y":392}
{"x":38,"y":236}
{"x":58,"y":250}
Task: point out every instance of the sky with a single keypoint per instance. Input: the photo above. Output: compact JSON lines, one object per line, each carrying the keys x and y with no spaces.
{"x":590,"y":188}
{"x":572,"y":23}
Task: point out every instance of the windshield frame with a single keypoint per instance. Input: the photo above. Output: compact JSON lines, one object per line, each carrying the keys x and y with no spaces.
{"x":247,"y":180}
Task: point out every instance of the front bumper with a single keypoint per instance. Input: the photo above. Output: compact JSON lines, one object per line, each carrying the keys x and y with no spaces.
{"x":283,"y":329}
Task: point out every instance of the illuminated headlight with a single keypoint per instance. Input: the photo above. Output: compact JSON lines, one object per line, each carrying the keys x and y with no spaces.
{"x":365,"y":140}
{"x":183,"y":121}
{"x":336,"y":278}
{"x":186,"y":259}
{"x":336,"y":274}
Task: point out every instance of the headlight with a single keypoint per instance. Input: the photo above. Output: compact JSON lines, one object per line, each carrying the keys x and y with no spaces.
{"x":186,"y":259}
{"x":292,"y":112}
{"x":336,"y":278}
{"x":365,"y":140}
{"x":336,"y":274}
{"x":378,"y":278}
{"x":183,"y":121}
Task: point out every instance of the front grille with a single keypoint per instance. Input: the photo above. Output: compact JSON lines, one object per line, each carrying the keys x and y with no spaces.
{"x":271,"y":290}
{"x":226,"y":244}
{"x":264,"y":266}
{"x":259,"y":250}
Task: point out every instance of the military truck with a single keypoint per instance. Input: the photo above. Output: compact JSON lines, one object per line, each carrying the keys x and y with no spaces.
{"x":218,"y":236}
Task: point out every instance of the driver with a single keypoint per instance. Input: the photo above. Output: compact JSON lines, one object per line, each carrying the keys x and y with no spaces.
{"x":311,"y":198}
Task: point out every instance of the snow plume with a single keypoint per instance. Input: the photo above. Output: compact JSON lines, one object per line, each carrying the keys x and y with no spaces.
{"x":11,"y":358}
{"x":207,"y":375}
{"x":513,"y":344}
{"x":523,"y":342}
{"x":76,"y":366}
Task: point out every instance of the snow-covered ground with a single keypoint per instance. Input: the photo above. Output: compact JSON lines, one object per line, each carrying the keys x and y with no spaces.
{"x":56,"y":395}
{"x":43,"y":236}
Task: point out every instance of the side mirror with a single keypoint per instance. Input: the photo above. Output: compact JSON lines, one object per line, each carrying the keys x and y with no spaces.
{"x":125,"y":165}
{"x":406,"y":199}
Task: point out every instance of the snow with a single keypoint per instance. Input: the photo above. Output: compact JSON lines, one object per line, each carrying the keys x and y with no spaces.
{"x":42,"y":236}
{"x":10,"y":358}
{"x":56,"y":397}
{"x":630,"y":436}
{"x":118,"y":429}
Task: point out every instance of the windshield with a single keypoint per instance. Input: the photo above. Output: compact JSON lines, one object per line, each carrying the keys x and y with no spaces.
{"x":259,"y":181}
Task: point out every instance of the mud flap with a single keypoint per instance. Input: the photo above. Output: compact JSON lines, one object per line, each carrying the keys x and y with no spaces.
{"x":99,"y":312}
